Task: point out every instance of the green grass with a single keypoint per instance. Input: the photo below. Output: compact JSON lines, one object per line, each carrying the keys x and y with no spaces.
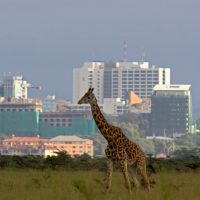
{"x":89,"y":185}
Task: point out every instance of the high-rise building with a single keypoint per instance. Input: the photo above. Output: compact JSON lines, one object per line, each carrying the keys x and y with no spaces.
{"x":171,"y":110}
{"x":14,"y":86}
{"x":116,"y":79}
{"x":90,"y":75}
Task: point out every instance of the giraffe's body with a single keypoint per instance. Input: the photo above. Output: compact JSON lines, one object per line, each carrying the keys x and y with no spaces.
{"x":120,"y":149}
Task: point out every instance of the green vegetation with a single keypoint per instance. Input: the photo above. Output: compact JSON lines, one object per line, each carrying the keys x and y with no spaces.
{"x":135,"y":127}
{"x":185,"y":162}
{"x":62,"y":177}
{"x":89,"y":185}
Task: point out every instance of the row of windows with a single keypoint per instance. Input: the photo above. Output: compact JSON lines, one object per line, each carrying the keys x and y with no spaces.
{"x":18,"y":110}
{"x":68,"y":142}
{"x":139,"y":71}
{"x":137,"y":86}
{"x":56,"y":120}
{"x":60,"y":125}
{"x":141,"y":74}
{"x":139,"y":78}
{"x":74,"y":147}
{"x":74,"y":152}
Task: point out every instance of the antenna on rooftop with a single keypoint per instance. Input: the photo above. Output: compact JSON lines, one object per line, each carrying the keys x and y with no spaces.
{"x":143,"y":55}
{"x":124,"y":51}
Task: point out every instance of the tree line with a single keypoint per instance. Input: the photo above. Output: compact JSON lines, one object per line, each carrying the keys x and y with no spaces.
{"x":184,"y":161}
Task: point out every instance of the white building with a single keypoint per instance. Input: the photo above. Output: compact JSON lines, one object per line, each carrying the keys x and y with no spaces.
{"x":116,"y":79}
{"x":15,"y":87}
{"x":90,"y":75}
{"x":113,"y":106}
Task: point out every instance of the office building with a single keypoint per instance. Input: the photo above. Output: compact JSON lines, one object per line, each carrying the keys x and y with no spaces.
{"x":90,"y":75}
{"x":171,"y":110}
{"x":117,"y":79}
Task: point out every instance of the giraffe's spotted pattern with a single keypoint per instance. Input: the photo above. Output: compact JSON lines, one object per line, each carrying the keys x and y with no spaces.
{"x":120,"y":149}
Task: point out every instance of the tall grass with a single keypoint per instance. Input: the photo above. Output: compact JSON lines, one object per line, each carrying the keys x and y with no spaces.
{"x":89,"y":185}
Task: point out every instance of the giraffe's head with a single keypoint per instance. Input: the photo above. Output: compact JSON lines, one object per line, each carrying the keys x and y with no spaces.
{"x":88,"y":97}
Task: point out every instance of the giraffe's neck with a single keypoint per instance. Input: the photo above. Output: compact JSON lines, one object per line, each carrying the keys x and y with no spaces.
{"x":100,"y":120}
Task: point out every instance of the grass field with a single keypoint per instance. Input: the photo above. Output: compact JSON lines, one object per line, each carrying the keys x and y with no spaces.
{"x":89,"y":185}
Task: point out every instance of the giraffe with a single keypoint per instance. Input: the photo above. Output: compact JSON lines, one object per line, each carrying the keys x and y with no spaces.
{"x":120,"y":149}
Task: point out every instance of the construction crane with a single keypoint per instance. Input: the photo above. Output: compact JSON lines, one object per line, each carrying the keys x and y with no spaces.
{"x":25,"y":86}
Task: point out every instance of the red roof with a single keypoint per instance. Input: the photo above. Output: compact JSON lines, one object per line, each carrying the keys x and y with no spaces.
{"x":25,"y":139}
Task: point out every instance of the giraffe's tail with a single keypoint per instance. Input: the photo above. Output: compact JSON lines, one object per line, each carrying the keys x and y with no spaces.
{"x":151,"y":169}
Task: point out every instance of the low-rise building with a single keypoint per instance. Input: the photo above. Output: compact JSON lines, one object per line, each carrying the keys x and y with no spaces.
{"x":23,"y":146}
{"x":73,"y":145}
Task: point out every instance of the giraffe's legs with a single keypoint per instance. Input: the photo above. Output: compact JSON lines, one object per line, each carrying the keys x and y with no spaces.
{"x":133,"y":173}
{"x":143,"y":172}
{"x":124,"y":168}
{"x":109,"y":175}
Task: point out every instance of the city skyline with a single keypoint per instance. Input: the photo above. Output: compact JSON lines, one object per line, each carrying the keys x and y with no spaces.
{"x":45,"y":40}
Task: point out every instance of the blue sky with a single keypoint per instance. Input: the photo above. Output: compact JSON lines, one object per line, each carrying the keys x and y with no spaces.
{"x":45,"y":39}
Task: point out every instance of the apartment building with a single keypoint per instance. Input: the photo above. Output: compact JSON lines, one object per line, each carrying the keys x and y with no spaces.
{"x":23,"y":146}
{"x":73,"y":145}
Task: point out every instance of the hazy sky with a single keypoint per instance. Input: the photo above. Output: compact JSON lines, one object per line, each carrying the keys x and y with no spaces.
{"x":45,"y":39}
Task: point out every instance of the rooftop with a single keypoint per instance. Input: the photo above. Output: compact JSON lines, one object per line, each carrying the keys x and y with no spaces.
{"x":63,"y":138}
{"x":172,"y":87}
{"x":25,"y":139}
